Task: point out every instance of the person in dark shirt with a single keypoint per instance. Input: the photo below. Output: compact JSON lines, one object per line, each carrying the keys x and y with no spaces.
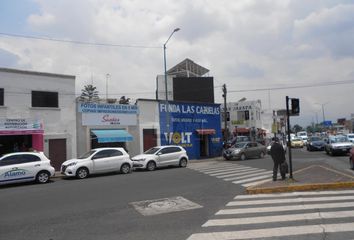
{"x":278,"y":155}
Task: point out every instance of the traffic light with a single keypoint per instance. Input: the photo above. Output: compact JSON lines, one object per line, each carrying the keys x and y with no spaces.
{"x":295,"y":106}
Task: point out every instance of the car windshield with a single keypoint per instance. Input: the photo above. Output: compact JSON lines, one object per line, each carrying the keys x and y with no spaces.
{"x":351,"y":136}
{"x":297,"y":139}
{"x":316,"y":139}
{"x":339,"y":139}
{"x":86,"y":155}
{"x":240,"y":145}
{"x":152,"y":150}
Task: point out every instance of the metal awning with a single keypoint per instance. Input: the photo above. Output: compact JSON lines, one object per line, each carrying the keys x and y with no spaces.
{"x":206,"y":131}
{"x":108,"y":135}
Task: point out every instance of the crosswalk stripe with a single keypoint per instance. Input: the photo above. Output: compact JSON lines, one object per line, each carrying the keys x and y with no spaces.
{"x":253,"y":179}
{"x":293,"y":194}
{"x":294,"y":200}
{"x":235,"y":176}
{"x":250,"y":174}
{"x":231,"y":171}
{"x":279,"y":218}
{"x":228,"y":170}
{"x":256,"y":183}
{"x":216,"y":166}
{"x":284,"y":208}
{"x":274,"y":232}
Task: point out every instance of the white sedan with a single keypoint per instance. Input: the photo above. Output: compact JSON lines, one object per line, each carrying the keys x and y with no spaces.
{"x":24,"y":167}
{"x":99,"y":160}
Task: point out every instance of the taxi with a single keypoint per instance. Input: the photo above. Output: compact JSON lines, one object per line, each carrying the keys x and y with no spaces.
{"x":297,"y":143}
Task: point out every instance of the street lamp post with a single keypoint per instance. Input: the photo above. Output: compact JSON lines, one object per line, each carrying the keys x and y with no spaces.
{"x":323,"y":112}
{"x":166,"y":91}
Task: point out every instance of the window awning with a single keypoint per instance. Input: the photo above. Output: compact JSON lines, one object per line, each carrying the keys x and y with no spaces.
{"x":108,"y":135}
{"x":206,"y":131}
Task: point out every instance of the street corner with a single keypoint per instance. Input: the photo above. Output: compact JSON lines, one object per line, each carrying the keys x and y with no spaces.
{"x":312,"y":178}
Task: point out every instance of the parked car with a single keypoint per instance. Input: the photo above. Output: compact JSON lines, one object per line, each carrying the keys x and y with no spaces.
{"x":99,"y":160}
{"x":350,"y":137}
{"x":351,"y":158}
{"x":161,"y":156}
{"x":297,"y":142}
{"x":336,"y":145}
{"x":25,"y":166}
{"x":244,"y":150}
{"x":315,"y":144}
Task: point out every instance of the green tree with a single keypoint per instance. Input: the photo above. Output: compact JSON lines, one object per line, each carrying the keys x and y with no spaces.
{"x":297,"y":128}
{"x":89,"y":94}
{"x":124,"y":100}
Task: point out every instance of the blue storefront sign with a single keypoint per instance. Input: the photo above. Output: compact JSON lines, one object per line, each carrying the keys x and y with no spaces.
{"x":196,"y":127}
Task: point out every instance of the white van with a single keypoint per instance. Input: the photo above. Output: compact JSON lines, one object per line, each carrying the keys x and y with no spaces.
{"x":303,"y":136}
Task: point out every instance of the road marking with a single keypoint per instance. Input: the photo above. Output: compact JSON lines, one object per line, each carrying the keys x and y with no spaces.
{"x":236,"y":211}
{"x":256,"y":183}
{"x":293,"y":200}
{"x":231,"y":171}
{"x":293,"y":194}
{"x":231,"y":177}
{"x":274,"y":232}
{"x":253,"y":179}
{"x":214,"y":166}
{"x":279,"y":218}
{"x":250,"y":174}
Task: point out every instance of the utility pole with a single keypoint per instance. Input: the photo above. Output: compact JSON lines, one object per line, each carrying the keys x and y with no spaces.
{"x":224,"y":91}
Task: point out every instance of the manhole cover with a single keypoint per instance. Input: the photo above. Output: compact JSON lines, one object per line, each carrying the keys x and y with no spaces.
{"x":164,"y":205}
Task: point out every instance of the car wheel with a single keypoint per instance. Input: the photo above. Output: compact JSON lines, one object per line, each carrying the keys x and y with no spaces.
{"x":82,"y":173}
{"x":351,"y":164}
{"x":125,"y":168}
{"x":42,"y":177}
{"x":243,"y":157}
{"x":150,"y":166}
{"x":183,"y":162}
{"x":330,"y":152}
{"x":261,"y":155}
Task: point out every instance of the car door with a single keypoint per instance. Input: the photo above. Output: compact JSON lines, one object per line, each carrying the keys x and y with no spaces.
{"x":168,"y":156}
{"x":16,"y":168}
{"x":103,"y":161}
{"x":249,"y":150}
{"x":116,"y":158}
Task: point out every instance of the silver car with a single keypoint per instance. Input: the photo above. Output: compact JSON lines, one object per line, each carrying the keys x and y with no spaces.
{"x":244,"y":150}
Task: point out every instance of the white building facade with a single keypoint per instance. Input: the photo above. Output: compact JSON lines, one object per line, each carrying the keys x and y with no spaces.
{"x":37,"y":112}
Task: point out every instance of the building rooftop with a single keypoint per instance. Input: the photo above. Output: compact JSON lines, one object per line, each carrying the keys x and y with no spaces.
{"x":187,"y":68}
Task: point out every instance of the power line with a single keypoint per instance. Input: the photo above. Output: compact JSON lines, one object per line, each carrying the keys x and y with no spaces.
{"x":76,"y":42}
{"x":294,"y":87}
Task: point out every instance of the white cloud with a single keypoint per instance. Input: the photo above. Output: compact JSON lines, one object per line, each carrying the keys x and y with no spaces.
{"x":246,"y":44}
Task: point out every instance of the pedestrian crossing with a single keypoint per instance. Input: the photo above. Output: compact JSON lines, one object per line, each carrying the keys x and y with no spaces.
{"x":298,"y":215}
{"x":232,"y":172}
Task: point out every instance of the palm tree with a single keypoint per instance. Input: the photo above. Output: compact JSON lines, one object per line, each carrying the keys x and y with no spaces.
{"x":89,"y":94}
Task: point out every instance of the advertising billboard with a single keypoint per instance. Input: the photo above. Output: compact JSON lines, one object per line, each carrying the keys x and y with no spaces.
{"x":186,"y":124}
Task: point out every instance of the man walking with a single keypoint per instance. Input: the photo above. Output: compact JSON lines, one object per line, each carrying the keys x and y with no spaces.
{"x":278,"y":155}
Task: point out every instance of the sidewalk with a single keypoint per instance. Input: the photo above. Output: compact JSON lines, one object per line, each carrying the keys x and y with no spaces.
{"x":314,"y":177}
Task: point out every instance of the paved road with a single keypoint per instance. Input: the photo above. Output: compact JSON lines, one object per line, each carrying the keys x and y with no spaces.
{"x":100,"y":207}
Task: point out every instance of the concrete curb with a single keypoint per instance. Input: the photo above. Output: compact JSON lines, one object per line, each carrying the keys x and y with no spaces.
{"x":303,"y":187}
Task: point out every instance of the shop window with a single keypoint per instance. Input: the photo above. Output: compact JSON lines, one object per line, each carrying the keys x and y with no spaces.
{"x":45,"y":99}
{"x":1,"y":97}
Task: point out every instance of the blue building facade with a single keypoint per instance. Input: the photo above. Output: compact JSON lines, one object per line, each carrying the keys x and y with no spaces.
{"x":194,"y":126}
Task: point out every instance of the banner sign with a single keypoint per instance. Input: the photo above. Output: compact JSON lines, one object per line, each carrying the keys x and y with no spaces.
{"x":107,"y":108}
{"x":91,"y":119}
{"x":13,"y":124}
{"x":94,"y":114}
{"x":184,"y":119}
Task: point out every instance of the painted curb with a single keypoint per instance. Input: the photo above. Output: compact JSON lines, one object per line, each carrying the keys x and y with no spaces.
{"x":304,"y":187}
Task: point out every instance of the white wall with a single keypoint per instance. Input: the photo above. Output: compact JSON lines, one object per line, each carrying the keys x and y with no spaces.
{"x":58,"y":122}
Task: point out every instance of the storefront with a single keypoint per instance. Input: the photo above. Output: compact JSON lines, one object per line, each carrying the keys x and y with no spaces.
{"x":105,"y":125}
{"x":19,"y":134}
{"x":196,"y":127}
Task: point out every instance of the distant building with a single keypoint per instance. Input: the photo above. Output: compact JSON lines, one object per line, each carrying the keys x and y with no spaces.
{"x":37,"y":112}
{"x":186,"y":82}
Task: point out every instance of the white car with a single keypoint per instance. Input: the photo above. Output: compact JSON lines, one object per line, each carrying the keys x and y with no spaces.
{"x":160,"y":156}
{"x":24,"y":167}
{"x":99,"y":160}
{"x":350,"y":137}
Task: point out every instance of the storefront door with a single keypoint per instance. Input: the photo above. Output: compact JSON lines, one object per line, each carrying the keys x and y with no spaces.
{"x":57,"y":152}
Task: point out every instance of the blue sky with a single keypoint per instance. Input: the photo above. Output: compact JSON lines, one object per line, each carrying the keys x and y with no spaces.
{"x":246,"y":44}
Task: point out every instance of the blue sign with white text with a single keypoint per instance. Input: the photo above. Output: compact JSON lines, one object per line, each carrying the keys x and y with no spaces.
{"x":196,"y":127}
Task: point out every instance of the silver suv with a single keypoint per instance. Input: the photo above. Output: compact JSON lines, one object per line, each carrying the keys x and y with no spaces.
{"x":160,"y":156}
